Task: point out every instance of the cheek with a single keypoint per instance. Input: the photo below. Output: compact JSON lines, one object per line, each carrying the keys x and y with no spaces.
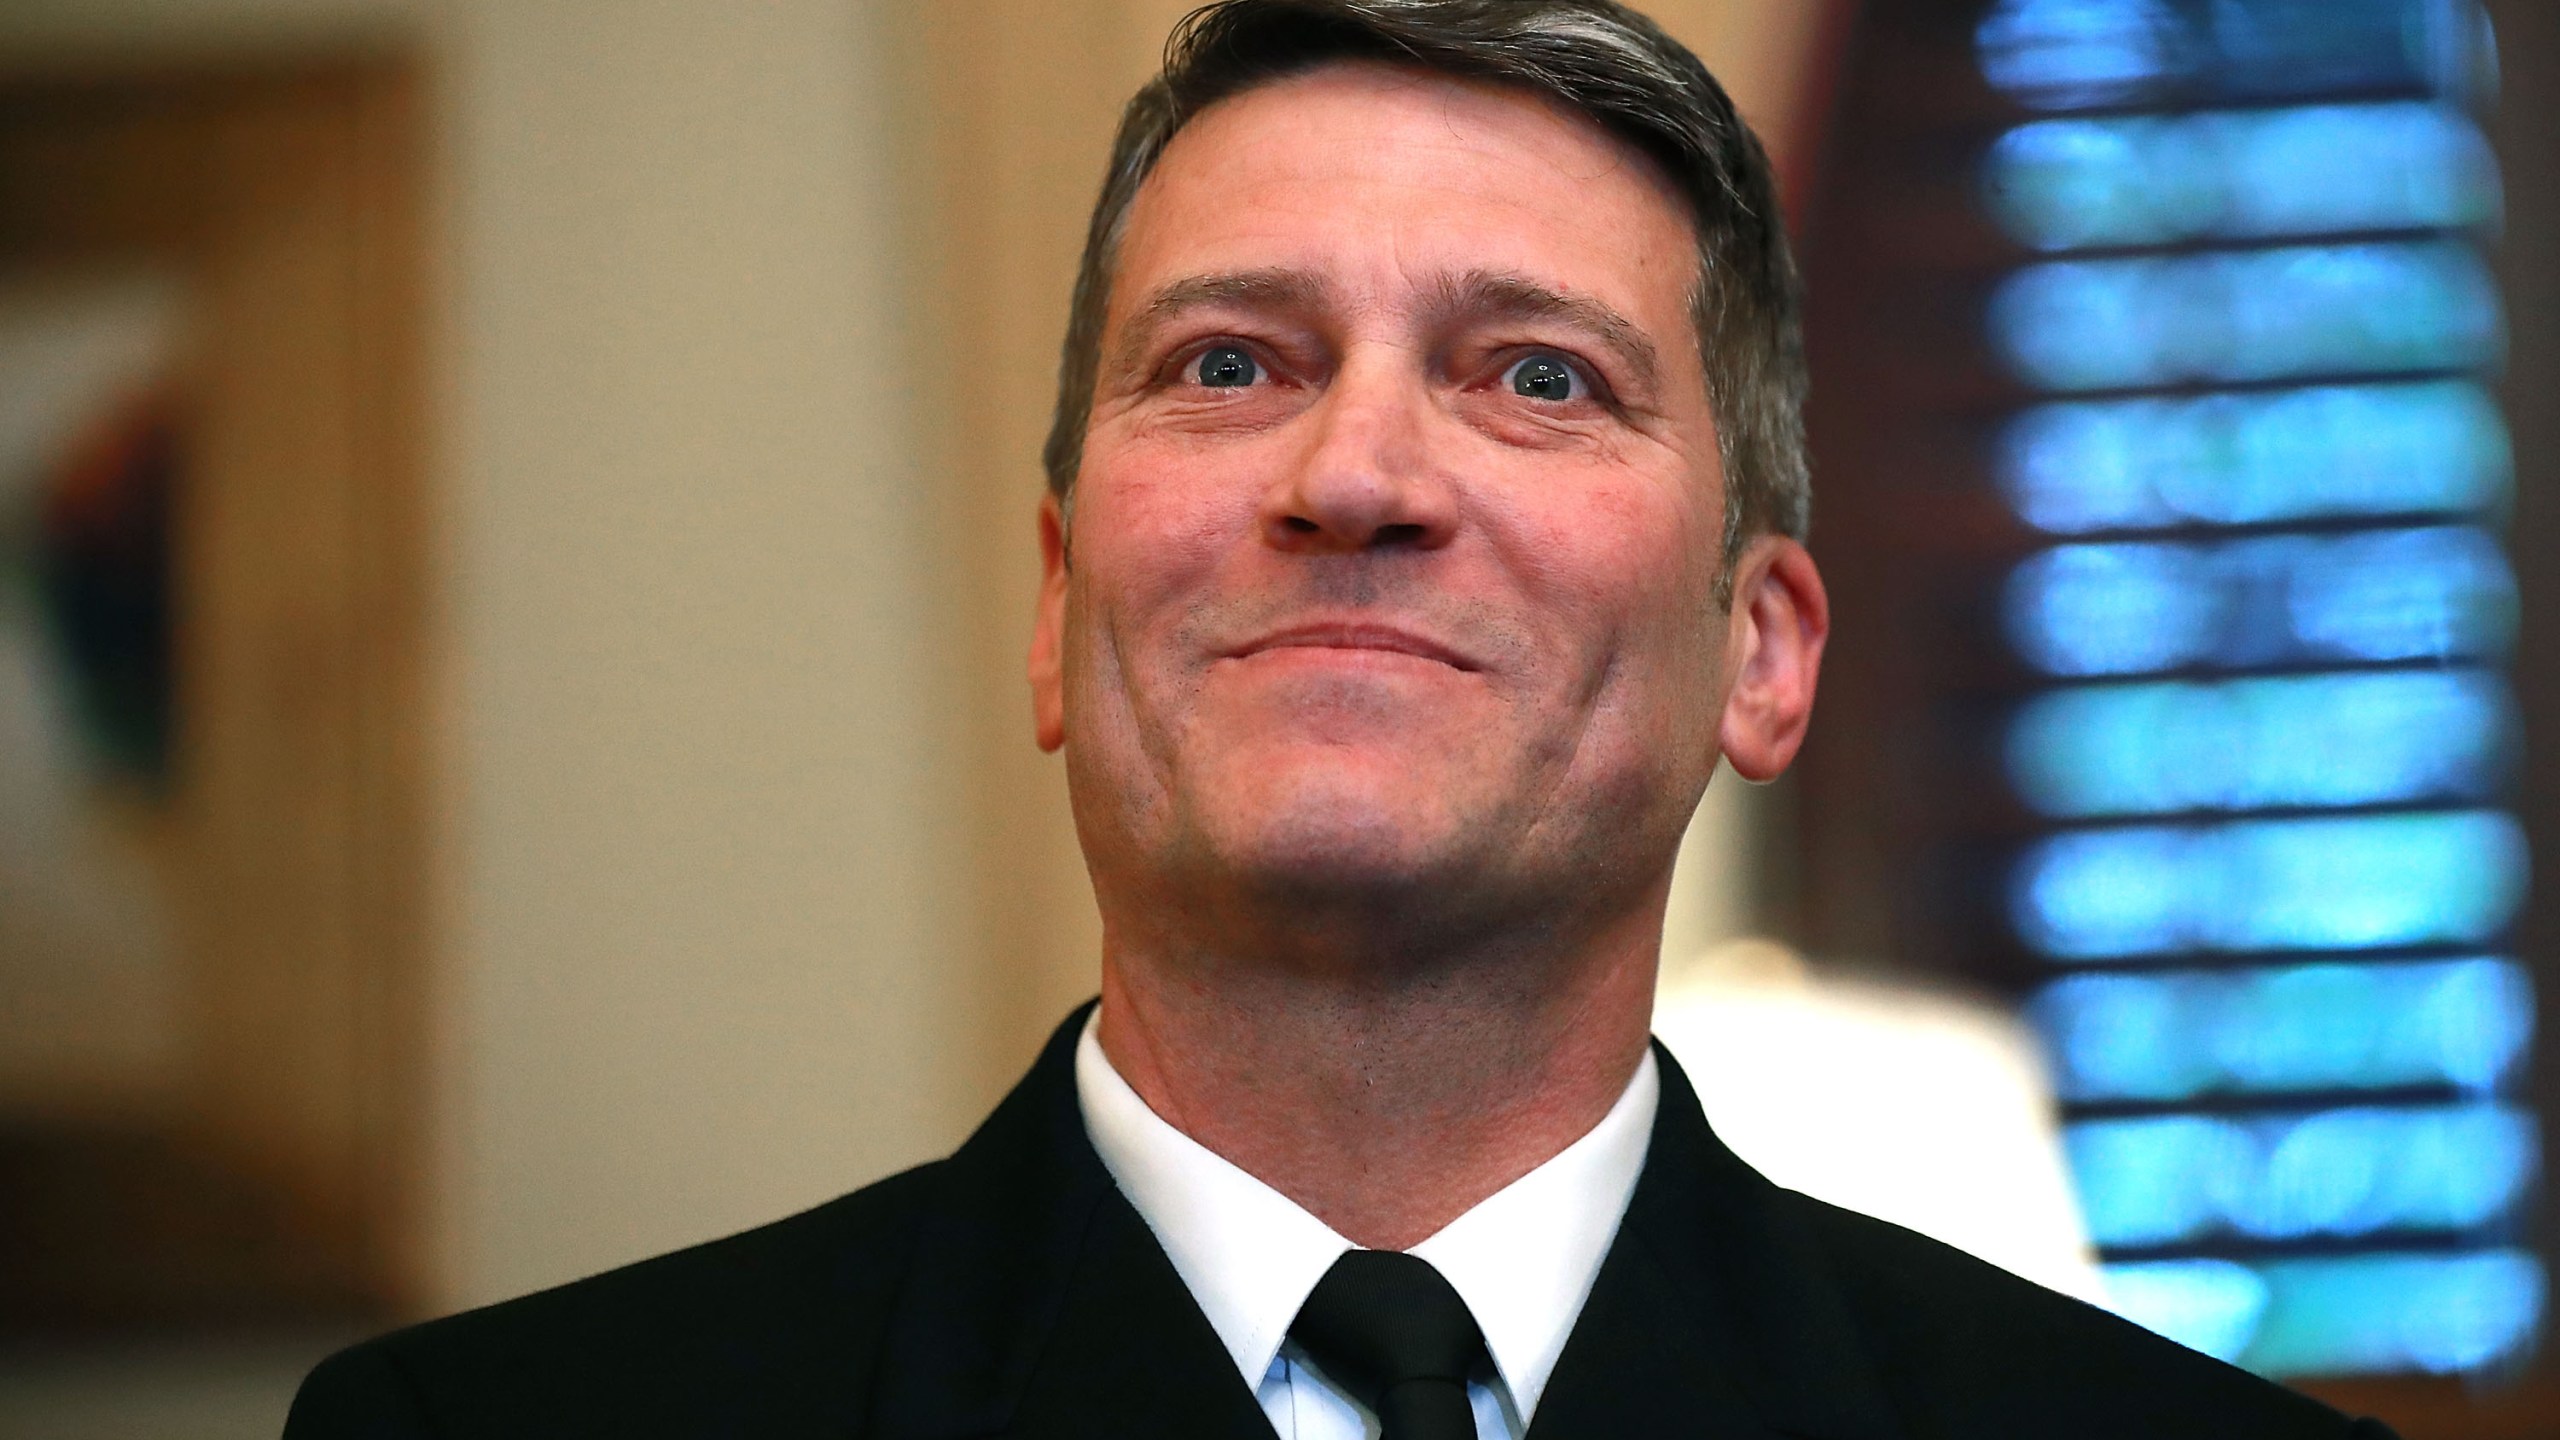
{"x":1625,"y":573}
{"x":1619,"y":565}
{"x":1149,"y":533}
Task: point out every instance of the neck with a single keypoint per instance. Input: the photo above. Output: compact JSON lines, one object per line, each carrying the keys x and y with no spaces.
{"x":1385,"y":1101}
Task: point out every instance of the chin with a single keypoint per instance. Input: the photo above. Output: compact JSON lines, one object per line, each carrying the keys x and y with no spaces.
{"x":1325,"y":829}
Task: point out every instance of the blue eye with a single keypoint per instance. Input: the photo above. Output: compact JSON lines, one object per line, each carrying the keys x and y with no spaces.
{"x":1225,"y":367}
{"x":1544,"y":377}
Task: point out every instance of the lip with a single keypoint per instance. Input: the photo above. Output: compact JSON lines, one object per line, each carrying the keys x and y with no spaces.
{"x":1383,"y":639}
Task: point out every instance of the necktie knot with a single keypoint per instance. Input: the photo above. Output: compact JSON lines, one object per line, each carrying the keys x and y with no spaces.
{"x":1390,"y":1329}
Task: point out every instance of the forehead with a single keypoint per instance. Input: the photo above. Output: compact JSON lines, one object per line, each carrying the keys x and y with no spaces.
{"x":1377,"y":178}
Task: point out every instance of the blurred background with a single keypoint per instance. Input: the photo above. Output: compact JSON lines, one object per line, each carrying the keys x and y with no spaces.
{"x":516,"y":549}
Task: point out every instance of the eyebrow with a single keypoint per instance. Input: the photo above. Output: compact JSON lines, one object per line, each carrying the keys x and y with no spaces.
{"x":1501,"y":295}
{"x":1272,"y":289}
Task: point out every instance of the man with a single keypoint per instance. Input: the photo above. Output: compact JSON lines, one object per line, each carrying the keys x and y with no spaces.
{"x":1426,"y":492}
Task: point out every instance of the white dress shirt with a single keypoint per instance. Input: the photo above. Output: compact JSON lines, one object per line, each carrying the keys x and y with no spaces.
{"x":1523,"y":1259}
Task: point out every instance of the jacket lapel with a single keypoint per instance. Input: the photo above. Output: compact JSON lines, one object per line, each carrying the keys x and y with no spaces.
{"x":1132,"y":1354}
{"x":1715,"y":1313}
{"x":1038,"y":1304}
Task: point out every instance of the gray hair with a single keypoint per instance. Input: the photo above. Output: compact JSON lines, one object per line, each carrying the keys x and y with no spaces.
{"x":1595,"y":57}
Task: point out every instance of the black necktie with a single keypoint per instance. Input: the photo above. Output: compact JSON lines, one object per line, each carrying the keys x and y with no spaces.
{"x":1386,"y":1327}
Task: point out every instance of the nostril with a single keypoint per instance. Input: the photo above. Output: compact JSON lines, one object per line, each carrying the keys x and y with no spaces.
{"x":1394,"y":535}
{"x":1299,"y":525}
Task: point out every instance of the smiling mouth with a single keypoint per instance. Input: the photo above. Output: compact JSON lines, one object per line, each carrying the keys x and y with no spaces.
{"x":1375,"y":639}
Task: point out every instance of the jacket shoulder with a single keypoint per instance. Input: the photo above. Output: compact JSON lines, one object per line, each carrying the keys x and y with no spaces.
{"x":777,"y":1327}
{"x":1990,"y":1353}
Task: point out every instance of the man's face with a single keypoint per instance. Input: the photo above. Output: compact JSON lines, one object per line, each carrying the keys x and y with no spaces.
{"x":1391,"y":571}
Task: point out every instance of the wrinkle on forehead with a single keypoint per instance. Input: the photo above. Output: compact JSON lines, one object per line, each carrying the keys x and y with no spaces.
{"x":1312,"y":129}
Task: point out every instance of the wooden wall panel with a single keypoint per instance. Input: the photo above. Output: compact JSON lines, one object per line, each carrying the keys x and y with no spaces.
{"x":293,"y":819}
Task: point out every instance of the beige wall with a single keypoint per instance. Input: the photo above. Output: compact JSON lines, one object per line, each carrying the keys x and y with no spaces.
{"x":705,"y":954}
{"x":753,"y":887}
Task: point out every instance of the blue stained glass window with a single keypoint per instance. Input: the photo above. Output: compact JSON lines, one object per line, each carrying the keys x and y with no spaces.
{"x":2152,"y":180}
{"x":2148,"y":1181}
{"x":2114,"y":609}
{"x":2184,"y":1034}
{"x":2435,"y":447}
{"x":2210,"y":1305}
{"x":2063,"y":53}
{"x":2436,"y":1313}
{"x":2371,"y":309}
{"x":2438,"y":593}
{"x":2386,"y":595}
{"x":2304,"y":741}
{"x":2448,"y":878}
{"x":2361,"y":1170}
{"x":2440,"y":1314}
{"x":2071,"y":54}
{"x":2304,"y":283}
{"x":2272,"y":47}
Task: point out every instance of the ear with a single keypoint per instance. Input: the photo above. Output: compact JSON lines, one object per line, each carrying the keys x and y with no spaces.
{"x":1780,"y":619}
{"x":1048,"y":631}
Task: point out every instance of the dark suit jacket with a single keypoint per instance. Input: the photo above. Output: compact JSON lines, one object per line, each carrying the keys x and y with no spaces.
{"x":1011,"y":1290}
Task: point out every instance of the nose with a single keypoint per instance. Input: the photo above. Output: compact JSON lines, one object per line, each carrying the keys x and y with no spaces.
{"x":1369,"y":478}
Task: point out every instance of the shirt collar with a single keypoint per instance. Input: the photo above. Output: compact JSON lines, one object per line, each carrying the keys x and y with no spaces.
{"x":1523,"y":1259}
